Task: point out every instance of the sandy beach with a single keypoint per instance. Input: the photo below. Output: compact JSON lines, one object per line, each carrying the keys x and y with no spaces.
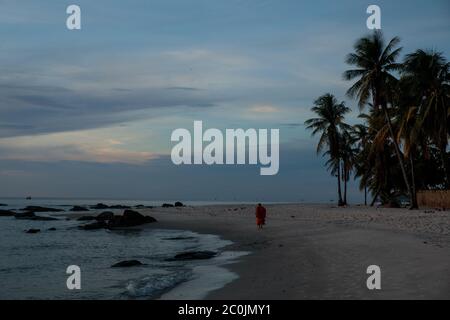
{"x":322,"y":251}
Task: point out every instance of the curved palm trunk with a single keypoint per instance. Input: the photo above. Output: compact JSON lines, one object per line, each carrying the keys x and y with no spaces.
{"x":399,"y":156}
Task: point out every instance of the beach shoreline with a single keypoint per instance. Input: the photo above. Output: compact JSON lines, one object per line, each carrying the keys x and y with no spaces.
{"x":322,"y":251}
{"x":308,"y":251}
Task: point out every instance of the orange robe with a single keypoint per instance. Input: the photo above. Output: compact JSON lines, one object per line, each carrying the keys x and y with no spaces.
{"x":260,"y":215}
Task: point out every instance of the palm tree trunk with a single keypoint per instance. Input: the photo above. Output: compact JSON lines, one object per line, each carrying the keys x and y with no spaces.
{"x":345,"y":184}
{"x":339,"y":184}
{"x":365,"y":195}
{"x":399,"y":156}
{"x":414,"y":204}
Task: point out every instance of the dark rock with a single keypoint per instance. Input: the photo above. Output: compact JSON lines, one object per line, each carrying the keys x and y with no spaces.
{"x":127,"y":263}
{"x":93,"y":226}
{"x":40,"y":209}
{"x":99,"y":206}
{"x":7,"y":213}
{"x":3,"y":205}
{"x":179,"y":204}
{"x":141,"y":206}
{"x":32,"y":216}
{"x":130,"y":218}
{"x":23,"y":215}
{"x":119,"y":206}
{"x":167,"y":205}
{"x":52,"y":229}
{"x":108,"y":220}
{"x":180,"y":238}
{"x":33,"y":230}
{"x":86,"y":218}
{"x":39,"y":218}
{"x":194,"y":255}
{"x":79,"y":208}
{"x":107,"y":215}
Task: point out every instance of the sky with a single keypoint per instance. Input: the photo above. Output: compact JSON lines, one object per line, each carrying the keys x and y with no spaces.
{"x":89,"y":113}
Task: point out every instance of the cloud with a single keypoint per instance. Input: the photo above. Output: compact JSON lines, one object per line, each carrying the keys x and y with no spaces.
{"x":72,"y":146}
{"x":264,"y":109}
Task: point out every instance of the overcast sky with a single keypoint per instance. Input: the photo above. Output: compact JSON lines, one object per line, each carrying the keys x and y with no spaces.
{"x":89,"y":113}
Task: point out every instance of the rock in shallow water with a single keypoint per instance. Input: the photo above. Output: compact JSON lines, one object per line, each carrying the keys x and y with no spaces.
{"x":129,"y":218}
{"x":100,"y":206}
{"x":40,"y":209}
{"x":86,"y":218}
{"x":194,"y":255}
{"x":33,"y":230}
{"x":7,"y":213}
{"x":32,"y":216}
{"x":94,"y":226}
{"x":127,"y":263}
{"x":107,"y":215}
{"x":79,"y":208}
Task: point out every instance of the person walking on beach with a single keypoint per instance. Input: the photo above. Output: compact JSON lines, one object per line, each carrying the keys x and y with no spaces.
{"x":260,"y":216}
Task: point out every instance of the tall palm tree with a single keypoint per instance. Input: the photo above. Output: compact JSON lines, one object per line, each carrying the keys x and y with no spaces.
{"x":329,"y":123}
{"x":375,"y":62}
{"x":427,"y":74}
{"x":360,"y":135}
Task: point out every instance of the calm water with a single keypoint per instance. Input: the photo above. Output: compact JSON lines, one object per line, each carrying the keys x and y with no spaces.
{"x":33,"y":266}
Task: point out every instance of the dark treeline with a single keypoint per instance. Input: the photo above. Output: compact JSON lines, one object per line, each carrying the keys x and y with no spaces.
{"x":400,"y":146}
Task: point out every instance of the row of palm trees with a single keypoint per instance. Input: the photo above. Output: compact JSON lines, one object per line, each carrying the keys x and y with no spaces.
{"x":401,"y":144}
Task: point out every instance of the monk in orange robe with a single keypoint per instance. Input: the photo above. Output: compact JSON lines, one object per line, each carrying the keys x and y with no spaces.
{"x":260,"y":216}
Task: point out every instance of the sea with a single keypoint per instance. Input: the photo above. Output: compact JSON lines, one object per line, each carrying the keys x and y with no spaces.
{"x":34,"y":266}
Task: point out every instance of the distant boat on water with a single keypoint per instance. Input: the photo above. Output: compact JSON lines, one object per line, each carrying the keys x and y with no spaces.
{"x":28,"y":198}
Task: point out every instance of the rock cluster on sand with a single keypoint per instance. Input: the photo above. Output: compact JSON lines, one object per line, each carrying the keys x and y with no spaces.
{"x":127,"y":263}
{"x":108,"y":220}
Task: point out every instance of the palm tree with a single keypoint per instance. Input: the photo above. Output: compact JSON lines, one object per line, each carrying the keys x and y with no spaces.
{"x":329,"y":123}
{"x":360,"y":135}
{"x":427,"y":75}
{"x":375,"y":63}
{"x":348,"y":156}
